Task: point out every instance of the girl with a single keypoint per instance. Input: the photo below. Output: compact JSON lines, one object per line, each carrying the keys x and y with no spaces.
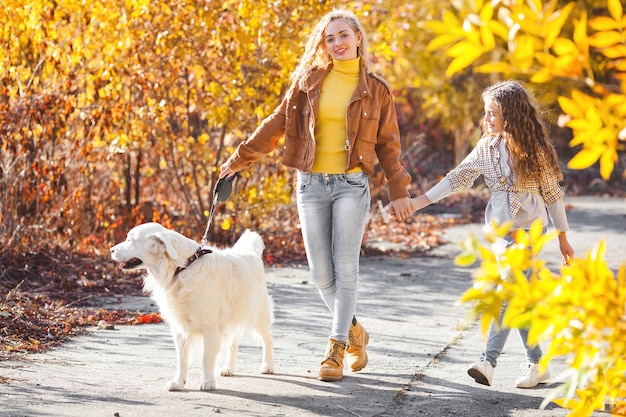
{"x":521,"y":170}
{"x":336,"y":118}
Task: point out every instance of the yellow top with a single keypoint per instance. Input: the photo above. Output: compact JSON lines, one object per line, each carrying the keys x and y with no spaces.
{"x":330,"y":129}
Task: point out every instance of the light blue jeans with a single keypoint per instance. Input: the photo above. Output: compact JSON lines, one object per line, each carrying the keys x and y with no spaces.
{"x":498,"y":335}
{"x":333,"y":210}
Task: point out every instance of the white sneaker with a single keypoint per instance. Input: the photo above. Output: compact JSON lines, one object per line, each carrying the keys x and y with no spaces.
{"x":481,"y":371}
{"x":531,"y":377}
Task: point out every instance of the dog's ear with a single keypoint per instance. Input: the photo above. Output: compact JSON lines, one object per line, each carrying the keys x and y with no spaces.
{"x":154,"y":244}
{"x":158,"y":241}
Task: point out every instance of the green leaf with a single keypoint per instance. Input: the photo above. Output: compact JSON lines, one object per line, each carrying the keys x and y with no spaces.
{"x":465,"y":259}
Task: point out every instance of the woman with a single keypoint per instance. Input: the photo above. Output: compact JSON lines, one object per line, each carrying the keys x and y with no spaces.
{"x":336,"y":117}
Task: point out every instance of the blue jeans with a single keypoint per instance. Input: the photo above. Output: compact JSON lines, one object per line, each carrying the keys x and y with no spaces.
{"x":333,"y":210}
{"x":498,"y":335}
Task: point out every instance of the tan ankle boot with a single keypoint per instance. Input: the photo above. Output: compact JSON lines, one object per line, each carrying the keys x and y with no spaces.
{"x":357,"y":339}
{"x":332,"y":365}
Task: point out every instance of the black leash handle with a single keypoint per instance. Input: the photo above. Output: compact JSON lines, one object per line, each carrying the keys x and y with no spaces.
{"x":221,"y":192}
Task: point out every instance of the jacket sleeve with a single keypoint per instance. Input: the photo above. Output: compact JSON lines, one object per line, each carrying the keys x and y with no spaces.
{"x":264,"y":139}
{"x":464,"y":174}
{"x":388,"y":150}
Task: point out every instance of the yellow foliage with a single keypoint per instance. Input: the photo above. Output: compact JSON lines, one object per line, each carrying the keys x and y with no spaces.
{"x":596,"y":124}
{"x":580,"y":312}
{"x":226,"y":223}
{"x":546,"y":41}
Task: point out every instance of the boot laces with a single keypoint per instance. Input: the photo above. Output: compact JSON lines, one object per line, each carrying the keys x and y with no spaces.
{"x":353,"y":340}
{"x":333,"y":351}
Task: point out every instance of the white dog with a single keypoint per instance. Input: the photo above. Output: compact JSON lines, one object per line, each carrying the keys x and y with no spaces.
{"x":213,"y":296}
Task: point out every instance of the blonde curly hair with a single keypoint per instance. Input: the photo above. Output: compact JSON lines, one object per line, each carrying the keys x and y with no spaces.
{"x":315,"y":54}
{"x":524,"y":130}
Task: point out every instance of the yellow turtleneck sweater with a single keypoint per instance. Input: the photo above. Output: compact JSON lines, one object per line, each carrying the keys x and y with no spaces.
{"x":330,"y":129}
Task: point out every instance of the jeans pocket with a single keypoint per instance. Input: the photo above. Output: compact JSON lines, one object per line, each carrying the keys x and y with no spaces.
{"x":302,"y":181}
{"x":356,"y":179}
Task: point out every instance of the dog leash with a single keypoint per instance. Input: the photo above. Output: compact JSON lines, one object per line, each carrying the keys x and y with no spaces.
{"x":221,"y":192}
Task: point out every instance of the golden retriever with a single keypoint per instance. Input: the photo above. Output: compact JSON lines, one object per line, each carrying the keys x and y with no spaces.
{"x":213,"y":296}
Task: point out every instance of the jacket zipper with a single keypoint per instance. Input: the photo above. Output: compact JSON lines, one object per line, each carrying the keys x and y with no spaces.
{"x":348,"y":147}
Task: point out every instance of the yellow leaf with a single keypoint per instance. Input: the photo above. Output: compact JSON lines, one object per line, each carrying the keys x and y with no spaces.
{"x":607,"y":163}
{"x":524,"y":52}
{"x":226,"y":224}
{"x":585,"y":158}
{"x":543,"y":76}
{"x":605,"y":39}
{"x":580,"y":35}
{"x":615,"y":52}
{"x":615,"y":9}
{"x":487,"y":38}
{"x":465,"y":259}
{"x":203,"y":139}
{"x":449,"y":19}
{"x":493,"y":67}
{"x":552,"y":28}
{"x":603,"y":23}
{"x":563,"y":46}
{"x":498,"y":29}
{"x":465,"y":54}
{"x":566,"y":402}
{"x":442,"y":40}
{"x":570,"y":107}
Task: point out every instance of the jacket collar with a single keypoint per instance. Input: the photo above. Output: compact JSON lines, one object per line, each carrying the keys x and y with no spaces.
{"x":316,"y":79}
{"x":494,"y":142}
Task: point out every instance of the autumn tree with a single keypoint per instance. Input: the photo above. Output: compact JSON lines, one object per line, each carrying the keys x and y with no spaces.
{"x":120,"y":110}
{"x":579,"y":53}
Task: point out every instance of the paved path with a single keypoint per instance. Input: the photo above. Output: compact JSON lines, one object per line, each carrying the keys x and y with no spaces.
{"x":419,"y":350}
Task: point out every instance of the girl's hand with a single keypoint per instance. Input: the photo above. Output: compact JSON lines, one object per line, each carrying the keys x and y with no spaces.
{"x":566,"y":249}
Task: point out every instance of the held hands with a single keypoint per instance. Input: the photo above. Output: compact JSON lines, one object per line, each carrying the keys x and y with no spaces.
{"x":399,"y":208}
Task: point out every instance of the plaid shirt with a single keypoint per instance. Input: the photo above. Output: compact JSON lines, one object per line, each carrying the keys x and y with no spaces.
{"x":485,"y":159}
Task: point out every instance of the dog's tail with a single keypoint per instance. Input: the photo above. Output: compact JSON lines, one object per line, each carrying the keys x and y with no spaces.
{"x":251,"y":241}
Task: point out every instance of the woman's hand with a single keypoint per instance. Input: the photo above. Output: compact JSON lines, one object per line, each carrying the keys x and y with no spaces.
{"x":401,"y":208}
{"x":226,"y":170}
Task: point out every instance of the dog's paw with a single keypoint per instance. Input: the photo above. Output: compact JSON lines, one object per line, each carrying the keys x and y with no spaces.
{"x":227,"y":372}
{"x":266,"y":369}
{"x":208,"y":385}
{"x":175,"y":385}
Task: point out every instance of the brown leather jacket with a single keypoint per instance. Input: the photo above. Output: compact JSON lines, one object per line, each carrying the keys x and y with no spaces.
{"x":372,"y":128}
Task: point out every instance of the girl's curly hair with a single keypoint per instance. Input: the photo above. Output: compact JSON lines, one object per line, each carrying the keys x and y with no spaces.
{"x":524,"y":131}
